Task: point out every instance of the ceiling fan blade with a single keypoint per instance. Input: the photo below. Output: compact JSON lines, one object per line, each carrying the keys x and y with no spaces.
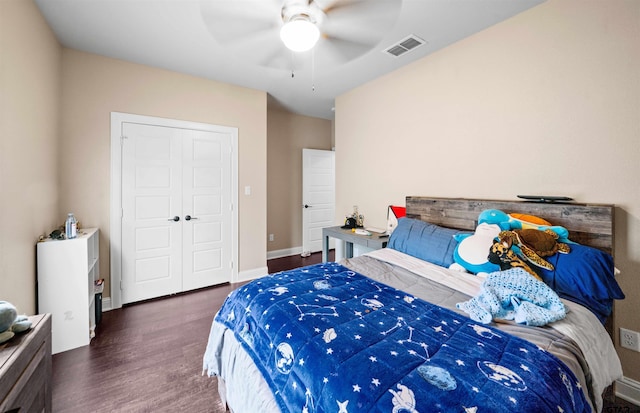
{"x":333,"y":51}
{"x":361,"y":21}
{"x":359,"y":8}
{"x":261,"y":49}
{"x":276,"y":58}
{"x":361,"y":33}
{"x":238,"y":20}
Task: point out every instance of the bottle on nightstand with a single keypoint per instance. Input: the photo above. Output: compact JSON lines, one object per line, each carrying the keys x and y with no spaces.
{"x":71,"y":226}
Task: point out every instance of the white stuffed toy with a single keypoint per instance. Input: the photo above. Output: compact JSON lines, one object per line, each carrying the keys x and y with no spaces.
{"x":10,"y":322}
{"x":472,"y":251}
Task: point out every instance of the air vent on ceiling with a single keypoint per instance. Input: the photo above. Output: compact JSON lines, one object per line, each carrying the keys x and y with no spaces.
{"x":405,"y":45}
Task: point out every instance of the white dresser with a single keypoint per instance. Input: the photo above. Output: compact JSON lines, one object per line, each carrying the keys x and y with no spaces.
{"x":67,"y":270}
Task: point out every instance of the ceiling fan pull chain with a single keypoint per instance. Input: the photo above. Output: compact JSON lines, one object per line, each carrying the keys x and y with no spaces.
{"x":313,"y":69}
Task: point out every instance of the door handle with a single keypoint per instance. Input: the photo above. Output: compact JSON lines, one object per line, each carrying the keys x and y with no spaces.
{"x":189,"y":218}
{"x":176,"y":219}
{"x":307,"y":206}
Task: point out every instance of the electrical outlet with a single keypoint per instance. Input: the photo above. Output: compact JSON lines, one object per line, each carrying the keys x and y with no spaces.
{"x":271,"y":237}
{"x":630,"y":339}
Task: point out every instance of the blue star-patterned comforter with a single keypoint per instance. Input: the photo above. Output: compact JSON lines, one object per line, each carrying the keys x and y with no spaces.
{"x":328,"y":339}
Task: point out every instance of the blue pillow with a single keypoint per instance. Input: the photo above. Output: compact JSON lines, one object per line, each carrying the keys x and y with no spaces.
{"x":586,"y":276}
{"x":423,"y":240}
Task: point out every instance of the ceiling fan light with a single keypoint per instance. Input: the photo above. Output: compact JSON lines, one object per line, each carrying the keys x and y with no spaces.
{"x":299,"y":35}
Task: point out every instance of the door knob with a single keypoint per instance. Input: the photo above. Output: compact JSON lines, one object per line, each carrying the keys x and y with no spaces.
{"x":189,"y":218}
{"x":176,"y":219}
{"x":307,"y":206}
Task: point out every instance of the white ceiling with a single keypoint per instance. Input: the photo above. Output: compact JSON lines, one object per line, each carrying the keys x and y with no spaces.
{"x":236,"y":41}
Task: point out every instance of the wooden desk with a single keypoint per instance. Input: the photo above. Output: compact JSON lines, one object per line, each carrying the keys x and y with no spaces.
{"x":25,"y":369}
{"x":373,"y":241}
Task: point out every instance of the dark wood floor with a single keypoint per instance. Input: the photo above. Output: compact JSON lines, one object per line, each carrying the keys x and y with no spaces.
{"x":147,"y":357}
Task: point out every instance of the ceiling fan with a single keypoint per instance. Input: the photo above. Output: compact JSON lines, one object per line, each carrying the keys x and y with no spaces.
{"x":343,"y":29}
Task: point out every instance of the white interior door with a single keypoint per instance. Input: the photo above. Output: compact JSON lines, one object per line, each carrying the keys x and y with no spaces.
{"x":206,"y":198}
{"x":318,"y":197}
{"x":151,"y":200}
{"x":176,"y":210}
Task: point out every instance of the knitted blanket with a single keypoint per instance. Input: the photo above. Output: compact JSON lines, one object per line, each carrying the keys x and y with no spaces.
{"x":514,"y":295}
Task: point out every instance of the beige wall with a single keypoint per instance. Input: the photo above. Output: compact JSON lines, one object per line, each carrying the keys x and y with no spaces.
{"x":288,"y":134}
{"x":547,"y":102}
{"x":94,"y":86}
{"x":30,"y":69}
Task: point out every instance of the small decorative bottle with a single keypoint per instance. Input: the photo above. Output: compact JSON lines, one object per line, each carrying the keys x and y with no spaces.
{"x":71,"y":226}
{"x":358,"y":217}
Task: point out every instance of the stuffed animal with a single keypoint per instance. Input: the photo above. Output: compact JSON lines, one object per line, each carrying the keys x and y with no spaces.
{"x":521,"y":221}
{"x":502,"y":255}
{"x":10,"y":322}
{"x":471,"y":251}
{"x":535,"y":244}
{"x":528,"y":221}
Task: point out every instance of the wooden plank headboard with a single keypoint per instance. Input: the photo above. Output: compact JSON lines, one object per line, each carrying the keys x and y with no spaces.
{"x":588,"y":224}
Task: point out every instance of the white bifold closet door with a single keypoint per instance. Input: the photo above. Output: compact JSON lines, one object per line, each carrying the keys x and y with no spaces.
{"x":176,"y":210}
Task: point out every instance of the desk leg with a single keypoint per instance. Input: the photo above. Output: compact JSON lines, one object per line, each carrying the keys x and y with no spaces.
{"x":325,"y":248}
{"x":348,"y":249}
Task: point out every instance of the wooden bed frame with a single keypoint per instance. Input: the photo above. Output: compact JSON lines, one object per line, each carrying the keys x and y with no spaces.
{"x":588,"y":224}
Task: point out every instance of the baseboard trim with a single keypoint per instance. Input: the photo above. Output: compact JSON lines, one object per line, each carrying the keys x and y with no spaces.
{"x":249,"y":275}
{"x":287,"y":252}
{"x":629,"y":390}
{"x":242,"y":276}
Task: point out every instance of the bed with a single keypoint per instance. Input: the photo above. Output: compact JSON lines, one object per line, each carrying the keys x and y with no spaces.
{"x":386,"y":331}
